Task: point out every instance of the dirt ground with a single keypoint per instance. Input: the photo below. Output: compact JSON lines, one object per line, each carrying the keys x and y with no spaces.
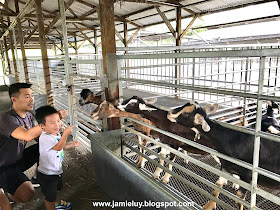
{"x":79,"y":185}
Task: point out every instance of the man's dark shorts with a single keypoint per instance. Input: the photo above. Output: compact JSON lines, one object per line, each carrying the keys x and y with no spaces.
{"x":11,"y":177}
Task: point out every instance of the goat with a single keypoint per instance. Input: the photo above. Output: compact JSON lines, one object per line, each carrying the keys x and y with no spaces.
{"x":88,"y":96}
{"x":159,"y":118}
{"x":232,"y":143}
{"x":269,"y":122}
{"x":108,"y":110}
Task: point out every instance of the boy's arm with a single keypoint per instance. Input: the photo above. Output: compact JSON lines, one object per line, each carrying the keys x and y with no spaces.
{"x":27,"y":135}
{"x":60,"y":145}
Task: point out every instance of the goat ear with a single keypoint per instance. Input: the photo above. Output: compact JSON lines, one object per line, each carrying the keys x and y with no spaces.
{"x":151,"y":101}
{"x":199,"y":120}
{"x":115,"y":102}
{"x":99,"y":93}
{"x":144,"y":107}
{"x":211,"y":108}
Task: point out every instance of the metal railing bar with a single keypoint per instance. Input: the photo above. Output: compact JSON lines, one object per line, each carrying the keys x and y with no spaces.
{"x":192,"y":174}
{"x":193,"y":160}
{"x":190,"y":184}
{"x":274,"y":52}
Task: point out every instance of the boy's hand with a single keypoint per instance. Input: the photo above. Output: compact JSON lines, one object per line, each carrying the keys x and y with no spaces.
{"x":62,"y":113}
{"x":67,"y":131}
{"x":76,"y":143}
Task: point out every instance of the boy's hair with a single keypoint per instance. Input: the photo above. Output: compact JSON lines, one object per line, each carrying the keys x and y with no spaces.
{"x":43,"y":112}
{"x":14,"y":88}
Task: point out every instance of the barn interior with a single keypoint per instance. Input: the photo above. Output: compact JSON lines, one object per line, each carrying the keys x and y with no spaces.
{"x":209,"y":51}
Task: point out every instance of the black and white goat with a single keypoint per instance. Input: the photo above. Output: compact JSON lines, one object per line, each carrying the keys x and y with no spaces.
{"x":87,"y":96}
{"x":159,"y":118}
{"x":269,"y":122}
{"x":232,"y":143}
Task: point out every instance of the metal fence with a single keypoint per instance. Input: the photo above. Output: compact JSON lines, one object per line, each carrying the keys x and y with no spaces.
{"x":238,"y":78}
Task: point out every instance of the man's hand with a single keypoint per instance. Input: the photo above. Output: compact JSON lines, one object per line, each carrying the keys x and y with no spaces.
{"x":62,"y":113}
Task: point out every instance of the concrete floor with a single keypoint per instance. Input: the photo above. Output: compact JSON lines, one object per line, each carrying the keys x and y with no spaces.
{"x":79,"y":185}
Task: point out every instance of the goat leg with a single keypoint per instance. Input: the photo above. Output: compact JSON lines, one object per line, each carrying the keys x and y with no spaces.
{"x":212,"y":204}
{"x":166,"y":177}
{"x":139,"y":161}
{"x":241,"y":194}
{"x":161,"y":162}
{"x":186,"y":153}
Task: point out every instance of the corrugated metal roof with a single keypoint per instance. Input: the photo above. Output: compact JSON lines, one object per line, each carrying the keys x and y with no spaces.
{"x":142,"y":14}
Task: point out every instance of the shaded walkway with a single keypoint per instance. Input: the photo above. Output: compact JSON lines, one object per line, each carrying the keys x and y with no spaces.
{"x":79,"y":186}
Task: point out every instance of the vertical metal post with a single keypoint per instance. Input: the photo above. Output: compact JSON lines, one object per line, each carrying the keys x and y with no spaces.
{"x":245,"y":90}
{"x":193,"y":78}
{"x":68,"y":70}
{"x":16,"y":54}
{"x":257,"y":134}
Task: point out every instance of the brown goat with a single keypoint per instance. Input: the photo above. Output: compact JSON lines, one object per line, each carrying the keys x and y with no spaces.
{"x":88,"y":96}
{"x":107,"y":110}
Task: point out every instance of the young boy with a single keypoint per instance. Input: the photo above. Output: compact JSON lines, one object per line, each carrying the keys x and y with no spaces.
{"x":51,"y":145}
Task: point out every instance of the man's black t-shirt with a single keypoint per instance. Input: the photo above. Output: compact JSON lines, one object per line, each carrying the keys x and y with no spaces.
{"x":11,"y":149}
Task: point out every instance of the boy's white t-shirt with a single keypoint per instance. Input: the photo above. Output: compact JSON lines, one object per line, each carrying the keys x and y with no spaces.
{"x":50,"y":162}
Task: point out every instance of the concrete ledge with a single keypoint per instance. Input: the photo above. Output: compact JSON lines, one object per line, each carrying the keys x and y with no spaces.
{"x":119,"y":179}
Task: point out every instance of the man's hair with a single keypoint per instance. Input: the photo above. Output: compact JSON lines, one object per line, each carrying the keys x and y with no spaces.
{"x":43,"y":112}
{"x":15,"y":88}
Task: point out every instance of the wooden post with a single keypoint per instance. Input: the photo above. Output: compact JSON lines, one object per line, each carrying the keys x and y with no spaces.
{"x":43,"y":44}
{"x":7,"y":55}
{"x":76,"y":47}
{"x":107,"y":24}
{"x":13,"y":52}
{"x":3,"y":61}
{"x":95,"y":42}
{"x":21,"y":42}
{"x":178,"y":43}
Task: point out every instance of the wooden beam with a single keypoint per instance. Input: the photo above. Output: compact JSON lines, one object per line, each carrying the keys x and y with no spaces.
{"x":132,"y":37}
{"x":81,"y":44}
{"x":122,"y":19}
{"x":95,"y":42}
{"x":86,"y":3}
{"x":188,"y":27}
{"x":178,"y":26}
{"x":13,"y":51}
{"x":85,"y":36}
{"x":107,"y":25}
{"x":43,"y":44}
{"x":166,"y":21}
{"x":88,"y":13}
{"x":7,"y":55}
{"x":73,"y":13}
{"x":30,"y":34}
{"x":7,"y":8}
{"x":75,"y":42}
{"x":67,"y":5}
{"x":26,"y":7}
{"x":21,"y":43}
{"x":125,"y":34}
{"x":119,"y":36}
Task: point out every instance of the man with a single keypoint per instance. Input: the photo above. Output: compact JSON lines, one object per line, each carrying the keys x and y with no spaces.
{"x":16,"y":129}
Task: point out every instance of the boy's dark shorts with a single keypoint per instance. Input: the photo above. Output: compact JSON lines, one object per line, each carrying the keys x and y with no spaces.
{"x":12,"y":176}
{"x":50,"y":185}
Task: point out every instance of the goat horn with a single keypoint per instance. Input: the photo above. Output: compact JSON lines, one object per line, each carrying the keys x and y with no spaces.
{"x":145,"y":107}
